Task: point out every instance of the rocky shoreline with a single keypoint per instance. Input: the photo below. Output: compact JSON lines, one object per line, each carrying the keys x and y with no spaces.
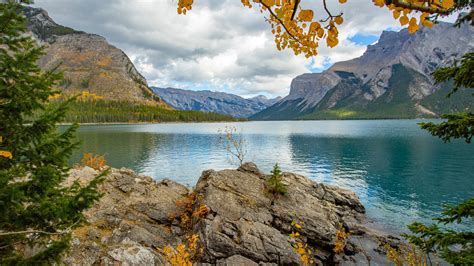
{"x":235,"y":220}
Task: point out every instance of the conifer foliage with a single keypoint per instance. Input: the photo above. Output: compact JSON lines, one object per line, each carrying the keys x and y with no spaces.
{"x":36,"y":211}
{"x":456,"y":247}
{"x":458,"y":125}
{"x":275,"y":184}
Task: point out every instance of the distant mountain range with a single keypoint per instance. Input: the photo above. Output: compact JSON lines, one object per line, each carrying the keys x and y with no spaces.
{"x":392,"y":79}
{"x":218,"y":102}
{"x":88,"y":61}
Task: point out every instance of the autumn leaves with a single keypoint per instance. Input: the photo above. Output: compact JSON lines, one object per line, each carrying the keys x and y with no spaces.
{"x":5,"y":154}
{"x":300,"y":32}
{"x":296,"y":28}
{"x":407,"y":16}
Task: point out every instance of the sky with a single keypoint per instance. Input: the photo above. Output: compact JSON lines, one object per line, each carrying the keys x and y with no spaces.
{"x":219,"y":45}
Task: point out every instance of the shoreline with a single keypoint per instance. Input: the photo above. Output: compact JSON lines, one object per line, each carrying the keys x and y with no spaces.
{"x":255,"y":225}
{"x":247,"y":121}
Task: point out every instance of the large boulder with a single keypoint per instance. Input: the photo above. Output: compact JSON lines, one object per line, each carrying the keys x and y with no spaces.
{"x":129,"y":224}
{"x":246,"y":221}
{"x":243,"y":224}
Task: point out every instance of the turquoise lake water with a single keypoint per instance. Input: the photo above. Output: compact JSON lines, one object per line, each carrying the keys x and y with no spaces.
{"x":400,"y":172}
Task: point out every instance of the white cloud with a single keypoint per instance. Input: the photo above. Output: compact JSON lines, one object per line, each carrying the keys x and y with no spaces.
{"x":219,"y":45}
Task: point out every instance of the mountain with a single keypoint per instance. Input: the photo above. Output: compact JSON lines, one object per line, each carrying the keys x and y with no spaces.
{"x":392,"y":79}
{"x":218,"y":102}
{"x":89,"y":62}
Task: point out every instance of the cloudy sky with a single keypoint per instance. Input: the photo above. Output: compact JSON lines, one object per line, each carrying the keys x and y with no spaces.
{"x":219,"y":45}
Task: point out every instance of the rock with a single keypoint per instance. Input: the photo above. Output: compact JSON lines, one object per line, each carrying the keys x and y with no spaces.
{"x":245,"y":224}
{"x":88,"y":61}
{"x":236,"y":260}
{"x":246,"y":221}
{"x":135,"y":255}
{"x":251,"y":168}
{"x":128,"y":223}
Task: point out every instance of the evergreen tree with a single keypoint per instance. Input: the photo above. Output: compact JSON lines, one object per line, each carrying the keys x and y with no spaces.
{"x":275,"y":184}
{"x":456,"y":247}
{"x":459,"y":125}
{"x":35,"y":209}
{"x":453,"y":246}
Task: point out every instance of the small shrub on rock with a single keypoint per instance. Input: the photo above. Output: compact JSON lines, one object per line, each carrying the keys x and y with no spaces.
{"x":300,"y":246}
{"x":96,"y":162}
{"x":275,"y":184}
{"x":184,"y":254}
{"x":341,"y":239}
{"x":190,"y":209}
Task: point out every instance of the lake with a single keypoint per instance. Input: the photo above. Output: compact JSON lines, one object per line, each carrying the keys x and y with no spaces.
{"x":400,"y":172}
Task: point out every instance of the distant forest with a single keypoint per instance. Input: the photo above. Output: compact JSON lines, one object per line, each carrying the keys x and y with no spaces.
{"x":103,"y":111}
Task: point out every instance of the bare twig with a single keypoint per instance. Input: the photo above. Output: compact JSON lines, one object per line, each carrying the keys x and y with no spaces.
{"x":25,"y":232}
{"x":234,"y":144}
{"x":330,"y":16}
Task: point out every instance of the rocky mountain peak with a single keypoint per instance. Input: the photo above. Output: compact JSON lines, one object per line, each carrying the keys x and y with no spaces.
{"x":213,"y":101}
{"x":371,"y":77}
{"x":88,"y":61}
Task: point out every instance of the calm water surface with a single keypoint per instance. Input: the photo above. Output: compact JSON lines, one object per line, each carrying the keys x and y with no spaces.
{"x":400,"y":172}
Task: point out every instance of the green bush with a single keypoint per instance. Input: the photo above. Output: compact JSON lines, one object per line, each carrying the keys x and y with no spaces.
{"x":275,"y":185}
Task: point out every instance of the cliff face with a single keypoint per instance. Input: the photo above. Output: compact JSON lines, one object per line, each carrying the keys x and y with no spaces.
{"x":217,"y":102}
{"x":237,"y":221}
{"x":88,"y":61}
{"x":391,"y":79}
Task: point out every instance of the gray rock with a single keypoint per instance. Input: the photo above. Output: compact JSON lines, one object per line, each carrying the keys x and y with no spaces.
{"x":132,"y":254}
{"x":236,"y":260}
{"x":129,"y":223}
{"x":88,"y":61}
{"x":248,"y":222}
{"x":245,"y":224}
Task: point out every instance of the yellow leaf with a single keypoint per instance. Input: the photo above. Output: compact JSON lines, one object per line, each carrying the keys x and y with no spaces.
{"x":427,"y":23}
{"x":447,"y":3}
{"x":396,"y":14}
{"x":379,"y":3}
{"x":306,"y":15}
{"x":314,"y":26}
{"x":269,"y":3}
{"x":339,"y":20}
{"x":6,"y":154}
{"x":413,"y":28}
{"x":320,"y":32}
{"x":342,"y":1}
{"x":403,"y":20}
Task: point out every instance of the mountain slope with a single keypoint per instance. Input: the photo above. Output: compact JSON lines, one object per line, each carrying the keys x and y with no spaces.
{"x":88,"y":61}
{"x":392,"y":79}
{"x":218,"y":102}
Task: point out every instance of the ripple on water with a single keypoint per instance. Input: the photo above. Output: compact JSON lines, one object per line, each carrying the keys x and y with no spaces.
{"x":400,"y":172}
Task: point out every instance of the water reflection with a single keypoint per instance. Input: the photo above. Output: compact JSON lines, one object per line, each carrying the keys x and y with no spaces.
{"x":399,"y":171}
